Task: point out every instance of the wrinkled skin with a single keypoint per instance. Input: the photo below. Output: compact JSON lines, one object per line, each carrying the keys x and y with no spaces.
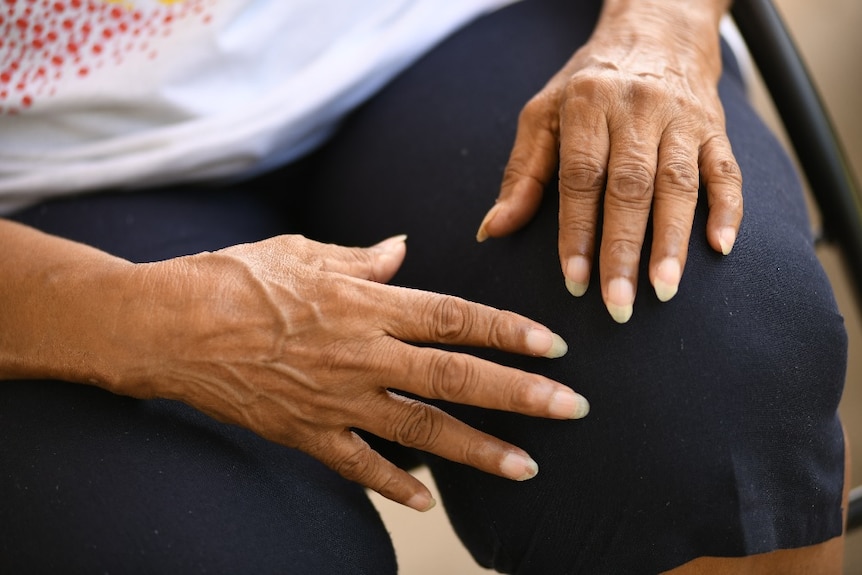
{"x":314,"y":348}
{"x":296,"y":340}
{"x":634,"y":123}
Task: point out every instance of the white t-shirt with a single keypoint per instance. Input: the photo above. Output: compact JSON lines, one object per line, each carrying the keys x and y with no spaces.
{"x":132,"y":93}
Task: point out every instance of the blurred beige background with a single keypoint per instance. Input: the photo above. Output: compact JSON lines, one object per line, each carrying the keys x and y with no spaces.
{"x":827,"y":32}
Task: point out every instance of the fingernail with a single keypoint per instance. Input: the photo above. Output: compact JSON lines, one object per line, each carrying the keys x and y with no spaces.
{"x":519,"y":467}
{"x":577,"y":275}
{"x":482,"y":234}
{"x":546,"y":344}
{"x":421,"y":502}
{"x":621,"y":297}
{"x":667,"y":278}
{"x":389,"y":244}
{"x":567,"y":404}
{"x":726,"y":239}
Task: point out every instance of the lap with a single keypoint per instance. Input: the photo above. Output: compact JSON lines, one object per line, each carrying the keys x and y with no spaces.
{"x":94,"y":482}
{"x":714,"y":428}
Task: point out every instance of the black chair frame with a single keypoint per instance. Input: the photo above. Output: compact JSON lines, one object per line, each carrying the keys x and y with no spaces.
{"x":815,"y":142}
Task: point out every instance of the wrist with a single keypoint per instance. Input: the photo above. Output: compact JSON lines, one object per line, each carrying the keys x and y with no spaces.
{"x":687,"y":31}
{"x":61,"y":309}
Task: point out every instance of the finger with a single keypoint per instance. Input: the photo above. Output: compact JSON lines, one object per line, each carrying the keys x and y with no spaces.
{"x":438,"y":318}
{"x":468,"y":380}
{"x":529,"y":169}
{"x":584,"y":150}
{"x":676,"y":188}
{"x":628,"y":199}
{"x":377,"y":263}
{"x":723,"y":180}
{"x":421,"y":426}
{"x":353,"y":459}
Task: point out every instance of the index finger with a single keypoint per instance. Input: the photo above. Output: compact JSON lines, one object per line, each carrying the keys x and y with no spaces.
{"x":438,"y":318}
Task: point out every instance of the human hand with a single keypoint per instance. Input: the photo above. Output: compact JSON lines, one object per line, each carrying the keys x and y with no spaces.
{"x":635,"y":124}
{"x":299,"y":342}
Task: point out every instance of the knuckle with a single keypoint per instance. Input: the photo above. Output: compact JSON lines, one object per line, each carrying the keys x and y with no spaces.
{"x":418,"y":428}
{"x":452,"y":318}
{"x":451,"y":376}
{"x":390,"y":486}
{"x":680,"y":174}
{"x":728,"y":170}
{"x":642,"y":92}
{"x":540,"y":111}
{"x":518,"y":170}
{"x":589,"y":85}
{"x":582,"y":173}
{"x":354,"y":465}
{"x":632,"y":183}
{"x":368,"y":359}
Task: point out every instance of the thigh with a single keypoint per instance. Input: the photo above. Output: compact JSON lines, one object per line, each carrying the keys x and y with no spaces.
{"x":94,"y":482}
{"x":714,"y":428}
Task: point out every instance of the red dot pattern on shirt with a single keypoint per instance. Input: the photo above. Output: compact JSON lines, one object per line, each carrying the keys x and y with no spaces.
{"x":44,"y":41}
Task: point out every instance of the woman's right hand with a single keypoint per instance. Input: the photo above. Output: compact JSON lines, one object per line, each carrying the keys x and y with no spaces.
{"x":301,"y":342}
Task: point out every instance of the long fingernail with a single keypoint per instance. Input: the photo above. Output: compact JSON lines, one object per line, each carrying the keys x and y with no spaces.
{"x":621,"y":298}
{"x":546,"y":344}
{"x":667,"y":276}
{"x":726,"y":239}
{"x":518,"y":467}
{"x":421,"y":502}
{"x":482,"y":234}
{"x":566,"y":404}
{"x":577,"y":275}
{"x":389,"y":244}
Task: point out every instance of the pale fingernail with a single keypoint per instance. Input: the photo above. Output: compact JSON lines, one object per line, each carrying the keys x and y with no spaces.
{"x":389,"y":244}
{"x":726,"y":239}
{"x":621,"y":298}
{"x":577,"y":275}
{"x":518,"y":467}
{"x":482,"y":234}
{"x":546,"y":343}
{"x":421,"y":502}
{"x":567,"y":404}
{"x":667,"y":277}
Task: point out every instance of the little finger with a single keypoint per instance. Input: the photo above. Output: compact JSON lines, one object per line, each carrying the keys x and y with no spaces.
{"x":350,"y":456}
{"x":723,"y":180}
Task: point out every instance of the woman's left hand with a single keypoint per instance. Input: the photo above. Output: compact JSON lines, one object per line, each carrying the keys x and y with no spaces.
{"x":635,"y":124}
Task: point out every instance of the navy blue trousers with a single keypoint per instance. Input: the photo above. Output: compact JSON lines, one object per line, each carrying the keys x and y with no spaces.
{"x":713,"y":430}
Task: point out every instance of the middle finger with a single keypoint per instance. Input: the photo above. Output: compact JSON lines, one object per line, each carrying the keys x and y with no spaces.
{"x":469,"y":380}
{"x":628,"y":199}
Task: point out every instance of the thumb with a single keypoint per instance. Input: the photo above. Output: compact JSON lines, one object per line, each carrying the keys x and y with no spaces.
{"x":377,"y":263}
{"x":530,"y":168}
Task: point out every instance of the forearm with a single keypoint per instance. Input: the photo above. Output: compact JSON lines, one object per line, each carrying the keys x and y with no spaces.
{"x":58,"y":303}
